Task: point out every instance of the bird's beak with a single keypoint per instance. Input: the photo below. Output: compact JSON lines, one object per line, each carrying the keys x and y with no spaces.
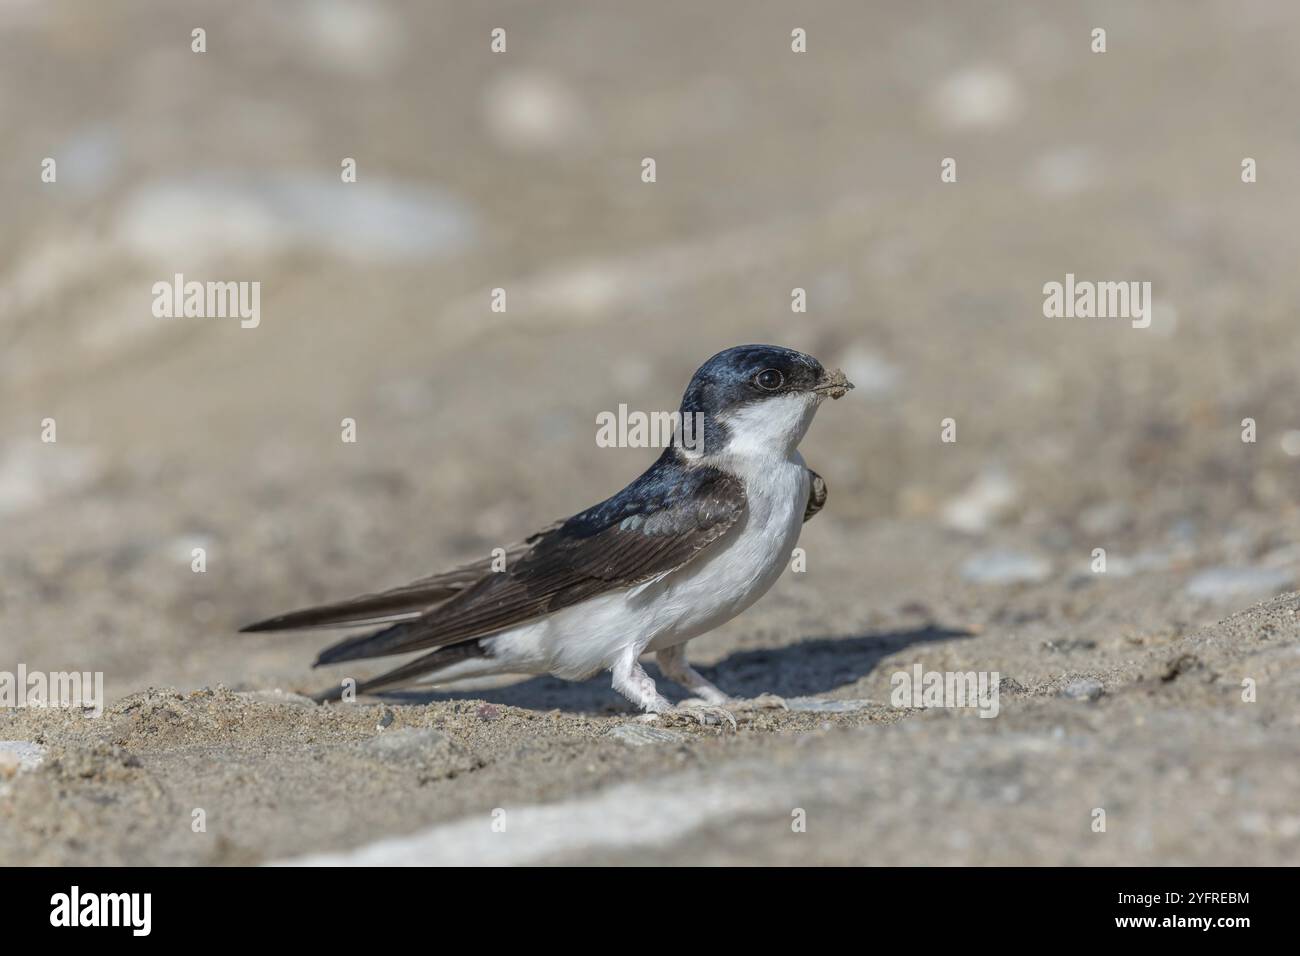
{"x":833,"y":384}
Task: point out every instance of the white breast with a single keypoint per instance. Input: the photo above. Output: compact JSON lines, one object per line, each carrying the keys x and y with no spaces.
{"x":742,"y":565}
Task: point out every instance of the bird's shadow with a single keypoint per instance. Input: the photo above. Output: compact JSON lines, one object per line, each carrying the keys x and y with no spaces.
{"x":815,"y":666}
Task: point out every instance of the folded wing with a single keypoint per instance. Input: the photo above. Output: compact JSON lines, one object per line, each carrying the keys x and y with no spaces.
{"x":651,"y":528}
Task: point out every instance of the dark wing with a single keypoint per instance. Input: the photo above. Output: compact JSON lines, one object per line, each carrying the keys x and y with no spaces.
{"x":816,"y":494}
{"x":652,"y":527}
{"x":410,"y":600}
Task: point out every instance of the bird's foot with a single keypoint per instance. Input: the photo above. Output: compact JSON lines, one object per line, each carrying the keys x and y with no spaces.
{"x":692,"y":712}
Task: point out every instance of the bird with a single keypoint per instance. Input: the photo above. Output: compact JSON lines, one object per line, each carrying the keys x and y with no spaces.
{"x":692,"y":542}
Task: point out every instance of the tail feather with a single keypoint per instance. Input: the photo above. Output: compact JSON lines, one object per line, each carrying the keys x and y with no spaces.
{"x":373,"y":644}
{"x":422,"y":666}
{"x":397,"y":604}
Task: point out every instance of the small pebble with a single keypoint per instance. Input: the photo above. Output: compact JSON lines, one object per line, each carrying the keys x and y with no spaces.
{"x":1005,"y":567}
{"x":277,"y":696}
{"x":982,"y":97}
{"x":1219,"y":584}
{"x":19,"y":755}
{"x":1083,"y":688}
{"x":406,"y":743}
{"x":641,"y":735}
{"x":982,"y":503}
{"x":821,"y":706}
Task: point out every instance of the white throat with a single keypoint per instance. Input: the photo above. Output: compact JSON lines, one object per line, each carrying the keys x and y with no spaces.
{"x":767,"y":431}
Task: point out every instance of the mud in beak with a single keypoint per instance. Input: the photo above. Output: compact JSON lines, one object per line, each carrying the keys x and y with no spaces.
{"x":833,"y":384}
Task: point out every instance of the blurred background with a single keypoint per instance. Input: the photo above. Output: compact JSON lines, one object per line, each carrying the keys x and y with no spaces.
{"x":522,"y":171}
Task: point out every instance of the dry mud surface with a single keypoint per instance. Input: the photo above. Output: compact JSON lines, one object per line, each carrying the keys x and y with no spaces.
{"x":1157,"y":735}
{"x":1121,"y":691}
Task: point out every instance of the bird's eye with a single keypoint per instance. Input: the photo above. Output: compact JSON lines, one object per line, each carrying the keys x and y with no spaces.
{"x":769,"y":379}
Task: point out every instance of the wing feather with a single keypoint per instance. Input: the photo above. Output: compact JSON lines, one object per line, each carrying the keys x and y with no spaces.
{"x":816,"y":494}
{"x":408,"y":601}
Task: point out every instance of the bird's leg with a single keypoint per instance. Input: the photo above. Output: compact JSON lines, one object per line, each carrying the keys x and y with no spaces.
{"x":672,"y":661}
{"x":636,"y":685}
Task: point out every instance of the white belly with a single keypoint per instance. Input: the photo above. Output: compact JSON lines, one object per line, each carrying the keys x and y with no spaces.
{"x":721,"y":583}
{"x":731,"y":574}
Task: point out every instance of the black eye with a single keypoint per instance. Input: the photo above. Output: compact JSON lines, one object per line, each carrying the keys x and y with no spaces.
{"x":769,"y":379}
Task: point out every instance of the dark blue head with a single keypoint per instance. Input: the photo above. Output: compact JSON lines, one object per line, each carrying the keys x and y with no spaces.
{"x":753,"y":373}
{"x":767,"y":389}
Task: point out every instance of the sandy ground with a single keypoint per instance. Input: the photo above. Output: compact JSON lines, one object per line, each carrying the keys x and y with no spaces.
{"x":1121,"y":691}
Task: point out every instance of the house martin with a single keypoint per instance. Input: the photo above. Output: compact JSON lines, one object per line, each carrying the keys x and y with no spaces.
{"x":692,"y":542}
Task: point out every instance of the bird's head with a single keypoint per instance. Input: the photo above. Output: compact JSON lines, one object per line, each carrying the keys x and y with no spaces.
{"x":758,"y":400}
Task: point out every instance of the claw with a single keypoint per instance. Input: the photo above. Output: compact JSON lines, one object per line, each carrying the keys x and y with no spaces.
{"x":703,"y":714}
{"x":710,"y":716}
